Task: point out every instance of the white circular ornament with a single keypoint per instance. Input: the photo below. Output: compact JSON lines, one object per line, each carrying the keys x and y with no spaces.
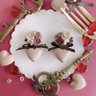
{"x":22,"y":79}
{"x":48,"y":23}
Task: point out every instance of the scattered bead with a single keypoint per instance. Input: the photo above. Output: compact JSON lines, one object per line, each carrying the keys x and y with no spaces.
{"x":82,"y":68}
{"x":90,"y":32}
{"x":15,"y":11}
{"x":9,"y":81}
{"x":13,"y":69}
{"x":86,"y":41}
{"x":92,"y":27}
{"x":22,"y":79}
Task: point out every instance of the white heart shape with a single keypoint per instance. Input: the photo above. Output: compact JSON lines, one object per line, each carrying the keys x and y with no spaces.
{"x":6,"y":58}
{"x":78,"y":82}
{"x":60,"y":54}
{"x":34,"y":54}
{"x":57,"y":4}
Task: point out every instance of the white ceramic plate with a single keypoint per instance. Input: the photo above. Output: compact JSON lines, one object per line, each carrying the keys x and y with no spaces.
{"x":48,"y":23}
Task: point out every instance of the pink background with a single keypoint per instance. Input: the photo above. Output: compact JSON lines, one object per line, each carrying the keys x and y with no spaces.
{"x":17,"y":88}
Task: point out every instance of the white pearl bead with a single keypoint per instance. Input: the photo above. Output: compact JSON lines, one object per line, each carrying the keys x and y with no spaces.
{"x":57,"y":4}
{"x":22,"y":79}
{"x":9,"y":81}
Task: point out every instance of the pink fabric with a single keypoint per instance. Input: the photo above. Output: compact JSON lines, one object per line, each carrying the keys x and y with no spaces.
{"x":18,"y":88}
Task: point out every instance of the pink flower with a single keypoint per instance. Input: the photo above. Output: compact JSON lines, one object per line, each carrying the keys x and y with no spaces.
{"x":37,"y":40}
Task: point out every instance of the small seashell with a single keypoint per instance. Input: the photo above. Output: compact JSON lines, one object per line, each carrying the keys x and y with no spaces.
{"x":6,"y":58}
{"x":78,"y":82}
{"x":34,"y":54}
{"x":60,"y":54}
{"x":57,"y":4}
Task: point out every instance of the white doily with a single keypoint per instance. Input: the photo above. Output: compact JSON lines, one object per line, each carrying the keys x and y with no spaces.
{"x":48,"y":23}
